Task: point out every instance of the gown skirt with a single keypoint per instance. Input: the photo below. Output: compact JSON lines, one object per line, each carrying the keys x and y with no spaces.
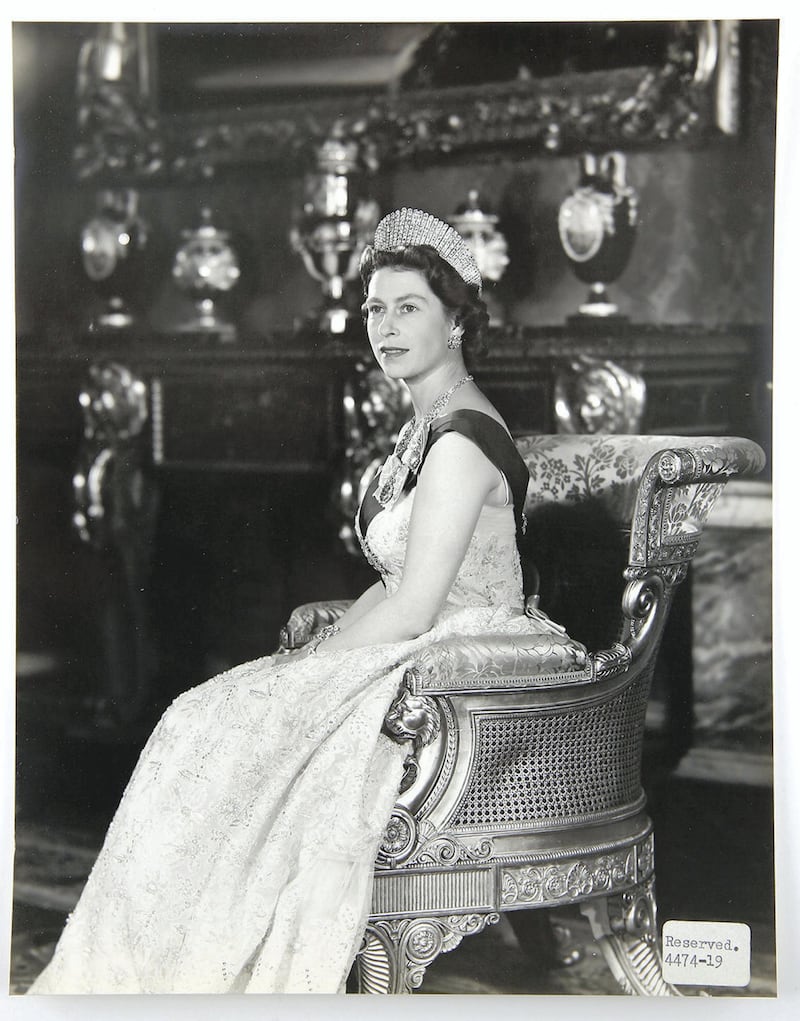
{"x":241,"y":856}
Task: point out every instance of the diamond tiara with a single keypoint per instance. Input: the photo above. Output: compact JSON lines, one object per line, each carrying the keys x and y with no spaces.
{"x":416,"y":227}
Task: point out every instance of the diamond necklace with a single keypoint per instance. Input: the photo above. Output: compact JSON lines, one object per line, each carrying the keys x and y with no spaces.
{"x":410,"y":446}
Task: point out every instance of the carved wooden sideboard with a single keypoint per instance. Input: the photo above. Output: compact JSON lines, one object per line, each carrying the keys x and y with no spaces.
{"x":233,"y":452}
{"x":273,"y":404}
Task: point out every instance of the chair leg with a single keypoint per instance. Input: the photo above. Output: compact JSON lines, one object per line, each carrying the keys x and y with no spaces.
{"x":395,"y":953}
{"x":624,"y":927}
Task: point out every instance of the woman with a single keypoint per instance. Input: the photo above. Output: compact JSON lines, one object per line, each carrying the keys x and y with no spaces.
{"x":240,"y":858}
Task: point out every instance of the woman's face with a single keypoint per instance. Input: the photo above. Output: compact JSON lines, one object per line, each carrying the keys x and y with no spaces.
{"x":407,"y":325}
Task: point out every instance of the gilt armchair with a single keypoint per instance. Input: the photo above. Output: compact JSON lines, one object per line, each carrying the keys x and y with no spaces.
{"x":522,"y":788}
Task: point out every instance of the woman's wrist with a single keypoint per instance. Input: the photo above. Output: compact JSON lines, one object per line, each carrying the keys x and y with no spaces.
{"x":321,"y":636}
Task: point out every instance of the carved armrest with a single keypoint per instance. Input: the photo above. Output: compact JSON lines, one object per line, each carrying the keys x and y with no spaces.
{"x":306,"y":619}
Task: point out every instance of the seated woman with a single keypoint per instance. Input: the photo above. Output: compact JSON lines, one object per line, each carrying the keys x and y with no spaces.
{"x":240,"y":858}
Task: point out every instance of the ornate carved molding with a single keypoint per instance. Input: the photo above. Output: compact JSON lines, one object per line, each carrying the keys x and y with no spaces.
{"x":108,"y":485}
{"x":416,"y":842}
{"x":116,"y":503}
{"x":612,"y":662}
{"x":566,"y":882}
{"x":693,"y":93}
{"x":594,"y":395}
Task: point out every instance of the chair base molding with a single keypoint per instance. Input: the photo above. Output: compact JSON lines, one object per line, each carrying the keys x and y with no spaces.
{"x":538,"y":878}
{"x":395,"y":952}
{"x":418,"y":914}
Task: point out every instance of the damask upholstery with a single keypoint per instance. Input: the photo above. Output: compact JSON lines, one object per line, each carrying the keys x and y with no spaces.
{"x":522,"y":787}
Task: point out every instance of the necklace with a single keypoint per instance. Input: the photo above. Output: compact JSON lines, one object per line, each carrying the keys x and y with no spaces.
{"x":410,"y":446}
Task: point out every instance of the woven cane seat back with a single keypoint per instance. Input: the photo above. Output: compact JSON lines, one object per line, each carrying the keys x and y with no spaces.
{"x":538,"y":769}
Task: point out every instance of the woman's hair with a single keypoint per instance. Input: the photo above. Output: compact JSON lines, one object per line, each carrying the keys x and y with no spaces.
{"x":458,"y":297}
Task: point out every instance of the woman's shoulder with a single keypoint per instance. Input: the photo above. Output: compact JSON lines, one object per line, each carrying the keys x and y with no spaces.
{"x":471,"y":421}
{"x":489,"y":433}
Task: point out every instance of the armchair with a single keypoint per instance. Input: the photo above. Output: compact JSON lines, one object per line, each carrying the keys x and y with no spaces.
{"x":522,"y":787}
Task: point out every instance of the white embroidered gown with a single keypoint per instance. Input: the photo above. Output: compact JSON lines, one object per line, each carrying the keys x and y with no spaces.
{"x":240,"y":857}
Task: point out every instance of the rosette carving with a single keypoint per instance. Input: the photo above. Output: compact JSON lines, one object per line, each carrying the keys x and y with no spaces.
{"x":399,"y":838}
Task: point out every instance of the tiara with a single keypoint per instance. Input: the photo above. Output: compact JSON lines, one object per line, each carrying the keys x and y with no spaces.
{"x":415,"y":227}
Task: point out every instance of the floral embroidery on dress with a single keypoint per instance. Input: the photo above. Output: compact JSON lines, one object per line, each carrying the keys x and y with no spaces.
{"x":242,"y":854}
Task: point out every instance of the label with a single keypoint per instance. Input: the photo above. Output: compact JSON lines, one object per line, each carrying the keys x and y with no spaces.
{"x":706,"y":953}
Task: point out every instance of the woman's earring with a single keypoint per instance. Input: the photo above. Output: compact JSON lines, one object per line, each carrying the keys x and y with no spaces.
{"x":455,"y":338}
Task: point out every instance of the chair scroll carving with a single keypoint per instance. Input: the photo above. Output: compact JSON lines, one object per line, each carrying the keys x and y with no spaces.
{"x":624,"y":927}
{"x":395,"y":953}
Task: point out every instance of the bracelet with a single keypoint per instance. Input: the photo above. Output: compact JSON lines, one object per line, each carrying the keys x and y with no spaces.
{"x":324,"y":633}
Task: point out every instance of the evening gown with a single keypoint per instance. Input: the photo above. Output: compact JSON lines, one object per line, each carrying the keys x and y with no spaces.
{"x":240,"y":858}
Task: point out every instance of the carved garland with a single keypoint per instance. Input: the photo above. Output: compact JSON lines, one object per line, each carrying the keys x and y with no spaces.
{"x":565,"y":882}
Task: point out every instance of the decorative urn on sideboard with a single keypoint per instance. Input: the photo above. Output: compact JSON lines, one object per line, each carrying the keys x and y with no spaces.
{"x":477,"y":225}
{"x":206,"y":267}
{"x":111,"y":240}
{"x":597,"y":226}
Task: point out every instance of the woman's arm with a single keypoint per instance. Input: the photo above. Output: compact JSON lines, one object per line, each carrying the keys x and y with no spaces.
{"x":369,"y":597}
{"x":453,"y":486}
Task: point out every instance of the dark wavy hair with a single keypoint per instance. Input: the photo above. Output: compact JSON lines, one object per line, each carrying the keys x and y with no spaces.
{"x":460,"y":299}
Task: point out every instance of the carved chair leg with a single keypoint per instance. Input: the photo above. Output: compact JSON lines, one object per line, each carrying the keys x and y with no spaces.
{"x":395,"y":953}
{"x":624,"y":927}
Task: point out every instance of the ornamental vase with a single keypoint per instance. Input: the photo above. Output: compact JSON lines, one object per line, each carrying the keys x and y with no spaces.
{"x":477,"y":225}
{"x":111,"y":242}
{"x":206,"y":267}
{"x":333,"y":228}
{"x":597,"y":226}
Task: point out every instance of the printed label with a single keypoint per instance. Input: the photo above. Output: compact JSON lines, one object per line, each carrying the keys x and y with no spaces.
{"x":706,"y":953}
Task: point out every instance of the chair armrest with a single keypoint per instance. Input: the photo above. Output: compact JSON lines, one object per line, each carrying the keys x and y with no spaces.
{"x":538,"y":653}
{"x":306,"y":619}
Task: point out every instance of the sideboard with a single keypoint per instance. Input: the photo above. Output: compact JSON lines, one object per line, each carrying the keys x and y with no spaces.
{"x":222,"y":508}
{"x":274,"y":404}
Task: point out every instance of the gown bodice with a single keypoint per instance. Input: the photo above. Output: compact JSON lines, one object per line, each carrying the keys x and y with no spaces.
{"x":490,"y":574}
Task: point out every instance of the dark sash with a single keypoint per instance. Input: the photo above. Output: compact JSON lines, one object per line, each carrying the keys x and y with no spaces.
{"x":493,"y":441}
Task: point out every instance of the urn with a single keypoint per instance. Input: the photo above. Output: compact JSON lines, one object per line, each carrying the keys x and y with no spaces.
{"x":597,"y":226}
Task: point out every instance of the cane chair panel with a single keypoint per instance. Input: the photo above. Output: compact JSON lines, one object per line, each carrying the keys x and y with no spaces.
{"x":538,"y":768}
